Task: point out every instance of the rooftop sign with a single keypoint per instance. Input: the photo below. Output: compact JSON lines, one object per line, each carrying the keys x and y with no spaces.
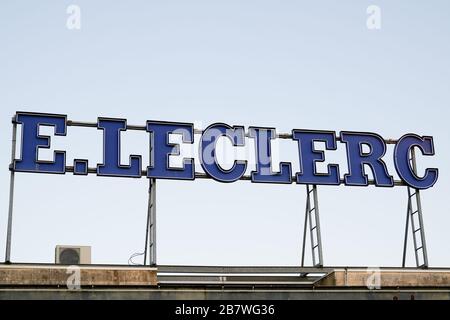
{"x":160,"y":150}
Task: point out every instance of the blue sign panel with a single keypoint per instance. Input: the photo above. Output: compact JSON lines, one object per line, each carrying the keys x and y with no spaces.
{"x":161,"y":149}
{"x":264,"y":173}
{"x":357,"y":158}
{"x":111,"y":151}
{"x":32,"y":141}
{"x":364,"y":150}
{"x":309,"y":156}
{"x":208,"y":152}
{"x":403,"y":163}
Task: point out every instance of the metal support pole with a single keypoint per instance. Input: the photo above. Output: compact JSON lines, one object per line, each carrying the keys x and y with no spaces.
{"x":405,"y":244}
{"x":152,"y":221}
{"x":318,"y":232}
{"x":147,"y":228}
{"x":305,"y":228}
{"x":11,"y":193}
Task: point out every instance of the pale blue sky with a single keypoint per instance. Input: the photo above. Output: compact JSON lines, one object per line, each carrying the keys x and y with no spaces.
{"x":285,"y":64}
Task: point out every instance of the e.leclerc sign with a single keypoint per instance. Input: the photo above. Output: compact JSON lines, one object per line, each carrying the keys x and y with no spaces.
{"x":161,"y":149}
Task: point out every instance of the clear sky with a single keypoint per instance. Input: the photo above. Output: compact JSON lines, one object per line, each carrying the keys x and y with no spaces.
{"x":284,"y":64}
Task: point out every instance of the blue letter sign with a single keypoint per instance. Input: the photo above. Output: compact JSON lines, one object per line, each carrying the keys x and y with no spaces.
{"x":403,"y":164}
{"x":32,"y":141}
{"x":357,"y":159}
{"x":111,"y":151}
{"x":364,"y":151}
{"x":161,"y":149}
{"x":264,"y":173}
{"x":208,"y":154}
{"x":309,"y":156}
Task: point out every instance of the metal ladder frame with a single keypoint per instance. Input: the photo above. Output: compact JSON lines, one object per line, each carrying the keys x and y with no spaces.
{"x":415,"y":209}
{"x":312,"y":211}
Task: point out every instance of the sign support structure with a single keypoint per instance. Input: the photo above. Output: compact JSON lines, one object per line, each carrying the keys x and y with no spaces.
{"x":415,"y":215}
{"x":150,"y":237}
{"x":312,"y":220}
{"x":11,"y":192}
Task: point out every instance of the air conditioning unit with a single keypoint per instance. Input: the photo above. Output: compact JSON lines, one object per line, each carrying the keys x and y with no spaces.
{"x":72,"y":255}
